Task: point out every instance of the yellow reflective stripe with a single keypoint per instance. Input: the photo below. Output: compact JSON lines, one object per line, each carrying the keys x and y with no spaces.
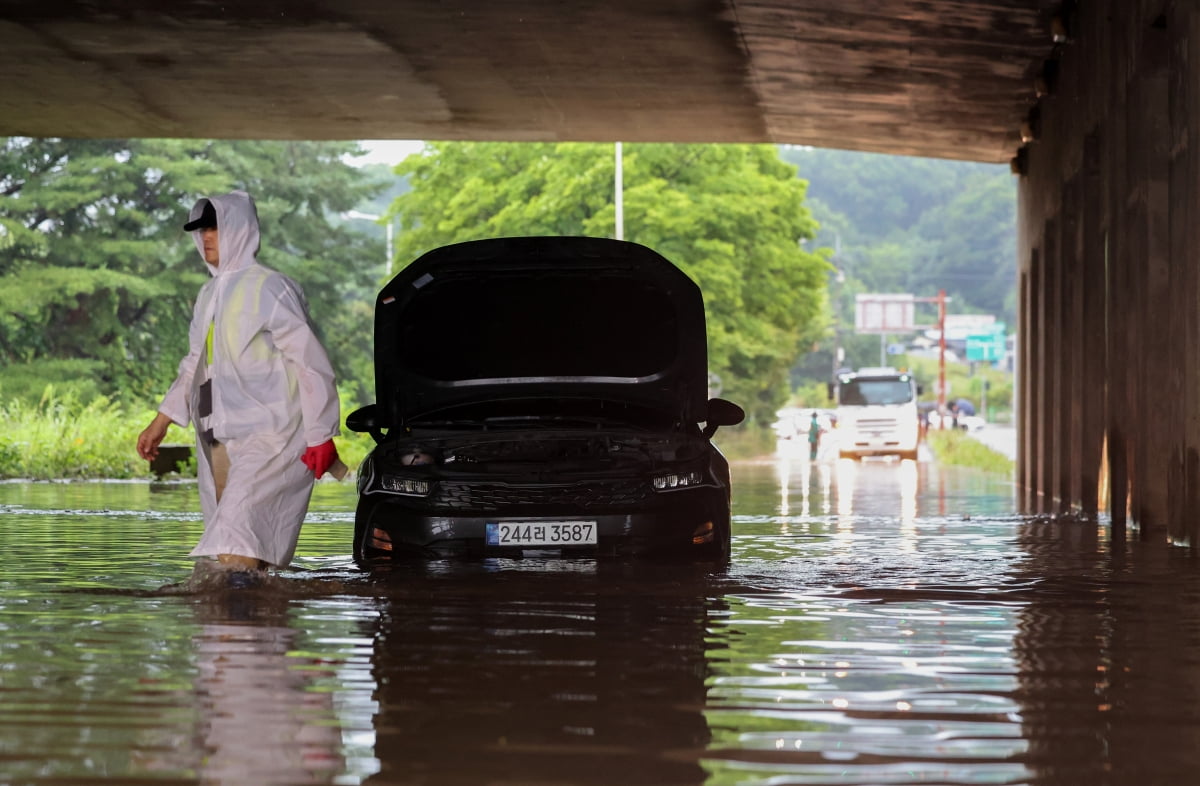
{"x":259,"y":348}
{"x":208,"y":343}
{"x":233,"y":308}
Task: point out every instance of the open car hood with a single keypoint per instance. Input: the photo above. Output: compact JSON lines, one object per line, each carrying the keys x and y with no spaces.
{"x":540,"y":317}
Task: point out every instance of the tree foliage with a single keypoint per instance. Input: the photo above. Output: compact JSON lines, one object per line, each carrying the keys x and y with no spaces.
{"x":730,"y":216}
{"x":95,"y":269}
{"x":910,"y":225}
{"x":903,"y":224}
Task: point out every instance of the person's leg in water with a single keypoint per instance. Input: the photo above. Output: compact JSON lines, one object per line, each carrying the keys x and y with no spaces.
{"x":243,"y":571}
{"x":220,"y":467}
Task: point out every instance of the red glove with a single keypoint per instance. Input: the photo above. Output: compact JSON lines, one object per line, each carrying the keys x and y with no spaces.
{"x":320,"y":457}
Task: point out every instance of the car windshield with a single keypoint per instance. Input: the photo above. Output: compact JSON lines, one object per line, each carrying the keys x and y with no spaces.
{"x":538,"y":326}
{"x":866,"y":392}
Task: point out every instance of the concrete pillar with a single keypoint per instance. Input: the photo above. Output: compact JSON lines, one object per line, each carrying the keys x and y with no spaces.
{"x":1108,"y":86}
{"x":1061,"y":353}
{"x":1025,"y":407}
{"x":1183,"y":91}
{"x":1042,"y":401}
{"x":1109,"y":251}
{"x":1147,"y":122}
{"x":1093,"y":371}
{"x":1074,"y":280}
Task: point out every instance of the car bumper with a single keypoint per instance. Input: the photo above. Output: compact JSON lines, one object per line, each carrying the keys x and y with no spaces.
{"x":678,"y":524}
{"x":889,"y":449}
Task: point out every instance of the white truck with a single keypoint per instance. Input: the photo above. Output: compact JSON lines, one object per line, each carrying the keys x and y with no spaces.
{"x":877,"y":413}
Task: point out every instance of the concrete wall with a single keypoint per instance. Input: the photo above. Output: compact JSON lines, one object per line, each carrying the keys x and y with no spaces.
{"x":1109,"y":235}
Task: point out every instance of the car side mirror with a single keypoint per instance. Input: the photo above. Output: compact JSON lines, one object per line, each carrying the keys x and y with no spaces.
{"x":366,"y":419}
{"x":721,"y":413}
{"x":920,"y":390}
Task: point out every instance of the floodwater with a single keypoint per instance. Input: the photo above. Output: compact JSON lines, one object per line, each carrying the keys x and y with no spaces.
{"x":881,"y":623}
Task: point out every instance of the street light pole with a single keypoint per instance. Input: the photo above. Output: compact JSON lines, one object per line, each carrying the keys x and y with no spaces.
{"x":618,"y":198}
{"x":840,"y":279}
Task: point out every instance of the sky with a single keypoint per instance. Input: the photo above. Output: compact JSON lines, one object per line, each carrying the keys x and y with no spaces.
{"x":386,"y":151}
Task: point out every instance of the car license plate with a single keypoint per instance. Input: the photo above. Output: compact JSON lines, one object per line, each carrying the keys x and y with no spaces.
{"x":541,"y":533}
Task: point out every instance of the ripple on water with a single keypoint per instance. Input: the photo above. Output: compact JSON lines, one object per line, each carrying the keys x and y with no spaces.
{"x":878,"y":624}
{"x":898,"y":690}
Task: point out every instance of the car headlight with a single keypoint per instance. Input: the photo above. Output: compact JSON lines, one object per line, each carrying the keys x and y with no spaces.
{"x":411,"y":487}
{"x":677,"y":480}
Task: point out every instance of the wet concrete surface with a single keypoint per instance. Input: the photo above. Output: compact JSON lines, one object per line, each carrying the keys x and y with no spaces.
{"x":881,"y":622}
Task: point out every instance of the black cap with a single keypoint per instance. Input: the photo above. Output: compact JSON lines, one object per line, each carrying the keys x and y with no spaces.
{"x":208,"y":218}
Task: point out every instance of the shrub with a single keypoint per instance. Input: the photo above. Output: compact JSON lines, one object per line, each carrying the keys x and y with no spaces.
{"x":956,"y":447}
{"x":964,"y":384}
{"x":74,"y":379}
{"x":60,"y":436}
{"x":814,"y":395}
{"x":745,"y":442}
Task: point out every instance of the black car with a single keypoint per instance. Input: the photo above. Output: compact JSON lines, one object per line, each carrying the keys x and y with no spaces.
{"x":542,"y":393}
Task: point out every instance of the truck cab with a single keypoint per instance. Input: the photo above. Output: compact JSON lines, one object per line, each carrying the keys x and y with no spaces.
{"x":877,"y":413}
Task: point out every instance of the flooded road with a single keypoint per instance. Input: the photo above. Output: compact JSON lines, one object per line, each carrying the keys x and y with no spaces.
{"x":881,"y":623}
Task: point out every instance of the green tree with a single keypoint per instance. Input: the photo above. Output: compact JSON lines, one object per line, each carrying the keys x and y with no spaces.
{"x":904,"y":224}
{"x":731,"y":216}
{"x":97,"y":278}
{"x":972,"y":248}
{"x":896,"y":224}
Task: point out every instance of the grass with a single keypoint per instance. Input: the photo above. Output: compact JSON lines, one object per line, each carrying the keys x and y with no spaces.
{"x":59,"y":438}
{"x":957,"y":448}
{"x":745,"y":442}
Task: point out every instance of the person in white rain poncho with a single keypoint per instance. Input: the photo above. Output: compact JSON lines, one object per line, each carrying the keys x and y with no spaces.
{"x":259,"y":389}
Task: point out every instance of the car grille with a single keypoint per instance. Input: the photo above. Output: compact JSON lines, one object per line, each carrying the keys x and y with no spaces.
{"x":881,"y":426}
{"x":485,"y":497}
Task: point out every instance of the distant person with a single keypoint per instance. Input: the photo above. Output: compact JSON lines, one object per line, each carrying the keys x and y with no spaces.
{"x":814,"y":437}
{"x":965,"y":407}
{"x":259,"y":389}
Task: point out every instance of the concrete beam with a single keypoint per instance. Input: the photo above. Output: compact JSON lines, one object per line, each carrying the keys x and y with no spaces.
{"x":941,"y":78}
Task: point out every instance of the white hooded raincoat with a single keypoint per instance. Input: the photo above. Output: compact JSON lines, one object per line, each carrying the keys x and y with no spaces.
{"x":273,"y":392}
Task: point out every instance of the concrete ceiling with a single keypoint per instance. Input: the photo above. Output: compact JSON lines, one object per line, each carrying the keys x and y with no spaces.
{"x":940,"y":78}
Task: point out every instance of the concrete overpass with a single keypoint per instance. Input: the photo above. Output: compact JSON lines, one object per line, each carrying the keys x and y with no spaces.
{"x":948,"y":78}
{"x":1095,"y":105}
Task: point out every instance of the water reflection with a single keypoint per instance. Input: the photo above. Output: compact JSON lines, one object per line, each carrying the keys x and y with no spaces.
{"x":1107,"y":657}
{"x":881,"y":622}
{"x":258,"y":720}
{"x":541,"y":671}
{"x":800,"y":474}
{"x":860,"y":638}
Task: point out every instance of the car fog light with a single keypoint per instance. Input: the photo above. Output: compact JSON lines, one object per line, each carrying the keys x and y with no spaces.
{"x":408,"y":486}
{"x":676,"y":480}
{"x":703,"y":534}
{"x":380,"y":539}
